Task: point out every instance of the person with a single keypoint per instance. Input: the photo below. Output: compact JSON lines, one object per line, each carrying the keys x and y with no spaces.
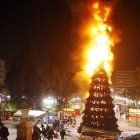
{"x":62,"y":134}
{"x":4,"y":133}
{"x":127,"y":115}
{"x":50,"y":134}
{"x":73,"y":123}
{"x":45,"y":130}
{"x":36,"y":133}
{"x":42,"y":126}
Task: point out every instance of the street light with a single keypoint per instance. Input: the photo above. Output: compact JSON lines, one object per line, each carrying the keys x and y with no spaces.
{"x":48,"y":103}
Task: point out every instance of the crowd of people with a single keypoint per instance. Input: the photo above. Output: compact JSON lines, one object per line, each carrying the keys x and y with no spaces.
{"x":52,"y":129}
{"x":46,"y":132}
{"x":125,"y":115}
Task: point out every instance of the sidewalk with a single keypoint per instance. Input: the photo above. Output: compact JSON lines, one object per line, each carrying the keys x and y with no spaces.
{"x":127,"y":129}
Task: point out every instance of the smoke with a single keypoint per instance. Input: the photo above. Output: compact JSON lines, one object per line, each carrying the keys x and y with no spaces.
{"x":81,"y":11}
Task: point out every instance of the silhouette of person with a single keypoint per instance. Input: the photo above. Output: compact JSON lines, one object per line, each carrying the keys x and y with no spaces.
{"x":4,"y":133}
{"x":62,"y":134}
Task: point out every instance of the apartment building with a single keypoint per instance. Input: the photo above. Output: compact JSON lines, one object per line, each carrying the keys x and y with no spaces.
{"x":123,"y":81}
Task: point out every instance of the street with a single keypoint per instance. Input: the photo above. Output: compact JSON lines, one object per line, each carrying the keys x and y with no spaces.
{"x":71,"y":132}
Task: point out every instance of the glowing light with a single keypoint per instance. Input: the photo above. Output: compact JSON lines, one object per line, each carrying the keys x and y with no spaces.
{"x":86,"y":94}
{"x":49,"y":101}
{"x":124,"y":99}
{"x":98,"y":45}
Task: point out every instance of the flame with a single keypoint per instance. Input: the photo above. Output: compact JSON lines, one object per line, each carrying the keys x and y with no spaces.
{"x":98,"y":44}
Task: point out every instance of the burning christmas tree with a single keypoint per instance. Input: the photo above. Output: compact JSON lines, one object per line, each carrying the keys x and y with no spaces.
{"x":98,"y":39}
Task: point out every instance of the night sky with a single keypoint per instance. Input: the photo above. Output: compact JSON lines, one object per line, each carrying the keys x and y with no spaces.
{"x":51,"y":21}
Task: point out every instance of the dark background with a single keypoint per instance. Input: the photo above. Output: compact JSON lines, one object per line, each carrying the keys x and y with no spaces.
{"x":49,"y":23}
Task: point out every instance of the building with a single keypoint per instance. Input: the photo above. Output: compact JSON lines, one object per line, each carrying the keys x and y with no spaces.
{"x":2,"y":72}
{"x":123,"y":82}
{"x":122,"y":85}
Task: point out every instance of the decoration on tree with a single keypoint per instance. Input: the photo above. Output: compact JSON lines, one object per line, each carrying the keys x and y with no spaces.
{"x":99,"y":113}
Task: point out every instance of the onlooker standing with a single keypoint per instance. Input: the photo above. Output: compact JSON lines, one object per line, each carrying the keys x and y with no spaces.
{"x":62,"y":134}
{"x":4,"y":133}
{"x":36,"y":133}
{"x":50,"y":134}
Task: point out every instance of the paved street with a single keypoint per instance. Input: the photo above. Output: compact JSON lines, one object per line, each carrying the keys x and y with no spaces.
{"x":127,"y":129}
{"x":72,"y":132}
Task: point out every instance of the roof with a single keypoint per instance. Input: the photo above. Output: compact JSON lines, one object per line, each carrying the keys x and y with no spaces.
{"x":32,"y":113}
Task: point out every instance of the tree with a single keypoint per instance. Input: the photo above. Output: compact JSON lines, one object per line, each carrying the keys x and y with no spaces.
{"x":99,"y":111}
{"x":19,"y":73}
{"x":34,"y":72}
{"x":11,"y":106}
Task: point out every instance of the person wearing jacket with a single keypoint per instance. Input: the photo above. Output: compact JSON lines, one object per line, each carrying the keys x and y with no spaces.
{"x":4,"y":133}
{"x":62,"y":134}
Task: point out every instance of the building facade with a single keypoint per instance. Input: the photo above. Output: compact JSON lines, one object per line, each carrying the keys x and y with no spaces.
{"x":123,"y":82}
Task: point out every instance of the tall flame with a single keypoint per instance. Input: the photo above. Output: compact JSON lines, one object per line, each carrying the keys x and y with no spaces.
{"x":98,"y":44}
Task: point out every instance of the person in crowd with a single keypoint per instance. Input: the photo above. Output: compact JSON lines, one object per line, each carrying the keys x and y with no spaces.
{"x":36,"y":133}
{"x":42,"y":126}
{"x":62,"y":134}
{"x":50,"y":134}
{"x":56,"y":125}
{"x":4,"y":132}
{"x":73,"y":123}
{"x":43,"y":129}
{"x":127,"y":115}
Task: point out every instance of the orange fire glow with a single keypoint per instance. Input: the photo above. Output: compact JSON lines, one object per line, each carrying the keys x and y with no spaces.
{"x":99,"y":42}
